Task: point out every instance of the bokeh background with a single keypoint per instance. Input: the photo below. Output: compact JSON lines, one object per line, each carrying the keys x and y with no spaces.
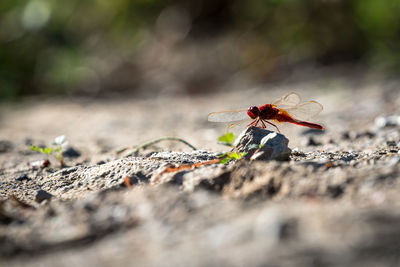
{"x":146,"y":47}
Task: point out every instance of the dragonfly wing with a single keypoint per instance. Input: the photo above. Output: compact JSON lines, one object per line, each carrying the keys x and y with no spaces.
{"x":238,"y":126}
{"x":291,"y":99}
{"x":228,"y":116}
{"x":305,"y":111}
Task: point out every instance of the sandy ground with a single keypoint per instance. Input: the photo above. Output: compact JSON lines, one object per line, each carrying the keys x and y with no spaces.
{"x":334,"y":203}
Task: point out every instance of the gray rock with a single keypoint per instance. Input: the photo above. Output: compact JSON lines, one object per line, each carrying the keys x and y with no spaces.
{"x":71,"y":152}
{"x":262,"y":144}
{"x":387,"y":121}
{"x":42,"y":195}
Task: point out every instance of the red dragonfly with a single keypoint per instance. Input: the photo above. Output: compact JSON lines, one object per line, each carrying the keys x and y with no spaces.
{"x":288,"y":108}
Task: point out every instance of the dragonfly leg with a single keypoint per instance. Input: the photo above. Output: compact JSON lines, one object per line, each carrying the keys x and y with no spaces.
{"x":253,"y":123}
{"x":274,"y":126}
{"x":263,"y":124}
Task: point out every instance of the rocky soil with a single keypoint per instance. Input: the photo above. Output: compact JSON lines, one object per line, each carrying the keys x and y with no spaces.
{"x":333,"y":201}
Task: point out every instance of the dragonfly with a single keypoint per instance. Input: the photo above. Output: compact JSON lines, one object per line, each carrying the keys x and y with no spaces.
{"x":287,"y":109}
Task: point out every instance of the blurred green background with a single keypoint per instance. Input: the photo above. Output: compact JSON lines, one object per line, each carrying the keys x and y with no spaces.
{"x":150,"y":46}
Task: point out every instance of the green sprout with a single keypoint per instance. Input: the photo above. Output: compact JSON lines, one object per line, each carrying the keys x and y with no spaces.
{"x":226,"y":139}
{"x":60,"y":143}
{"x":229,"y":156}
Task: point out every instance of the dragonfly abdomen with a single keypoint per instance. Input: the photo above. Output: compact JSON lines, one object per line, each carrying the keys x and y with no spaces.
{"x":308,"y":124}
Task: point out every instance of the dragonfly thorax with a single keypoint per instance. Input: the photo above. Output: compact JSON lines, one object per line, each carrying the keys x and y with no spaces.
{"x":268,"y":112}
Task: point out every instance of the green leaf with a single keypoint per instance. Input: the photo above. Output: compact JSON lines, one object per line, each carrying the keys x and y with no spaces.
{"x":222,"y":155}
{"x":226,"y":139}
{"x":225,"y":160}
{"x":58,"y":149}
{"x":232,"y":156}
{"x":47,"y":150}
{"x":35,"y":148}
{"x":242,"y":154}
{"x":235,"y":155}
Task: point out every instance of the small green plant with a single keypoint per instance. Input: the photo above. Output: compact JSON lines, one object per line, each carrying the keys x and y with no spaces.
{"x":59,"y":144}
{"x":229,"y":156}
{"x":226,"y":139}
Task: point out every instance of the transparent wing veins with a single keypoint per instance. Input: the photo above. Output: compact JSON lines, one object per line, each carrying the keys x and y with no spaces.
{"x":305,"y":111}
{"x":291,"y":99}
{"x":228,"y":116}
{"x":291,"y":102}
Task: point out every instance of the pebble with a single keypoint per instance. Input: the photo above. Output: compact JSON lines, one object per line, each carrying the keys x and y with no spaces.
{"x":387,"y":121}
{"x":42,"y":195}
{"x":40,"y":164}
{"x":71,"y":152}
{"x":23,"y":177}
{"x":310,"y":141}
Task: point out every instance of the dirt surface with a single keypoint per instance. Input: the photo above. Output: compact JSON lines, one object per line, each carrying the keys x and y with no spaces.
{"x":335,"y":202}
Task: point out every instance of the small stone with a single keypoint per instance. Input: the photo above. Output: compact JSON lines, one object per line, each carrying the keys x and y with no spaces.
{"x":349,"y":135}
{"x":5,"y":146}
{"x":262,"y":144}
{"x":71,"y":152}
{"x":335,"y":191}
{"x":42,"y":195}
{"x":312,"y":142}
{"x":387,"y":121}
{"x":23,"y":177}
{"x":40,"y":164}
{"x":390,"y":143}
{"x":367,"y":134}
{"x":28,"y":141}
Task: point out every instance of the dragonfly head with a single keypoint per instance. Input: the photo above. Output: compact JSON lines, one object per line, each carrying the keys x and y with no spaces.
{"x":253,"y":112}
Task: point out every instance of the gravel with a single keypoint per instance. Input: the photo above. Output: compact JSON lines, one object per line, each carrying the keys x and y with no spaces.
{"x":321,"y":199}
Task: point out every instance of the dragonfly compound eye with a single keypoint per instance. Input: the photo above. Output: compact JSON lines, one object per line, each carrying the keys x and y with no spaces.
{"x":253,"y":112}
